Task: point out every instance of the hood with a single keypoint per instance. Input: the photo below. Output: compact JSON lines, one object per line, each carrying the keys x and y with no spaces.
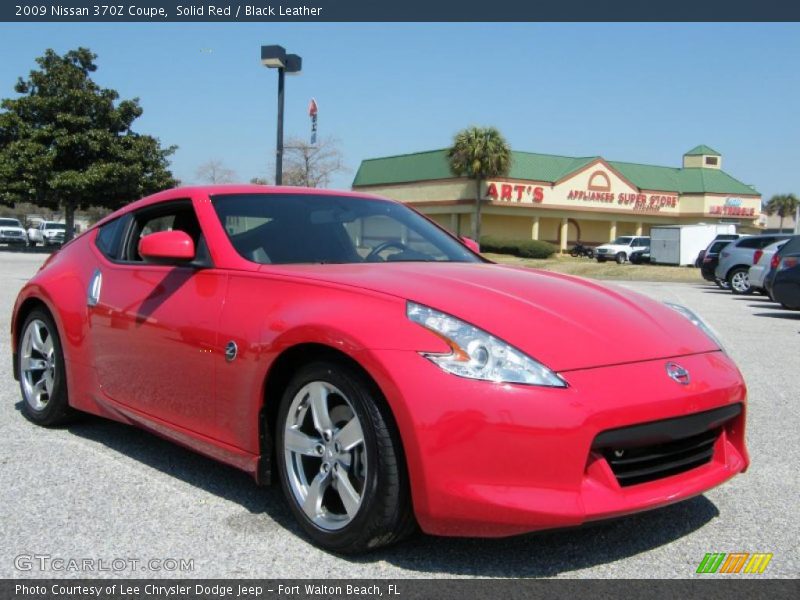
{"x":565,"y":322}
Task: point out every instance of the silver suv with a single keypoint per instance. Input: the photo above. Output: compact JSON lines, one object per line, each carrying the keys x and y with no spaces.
{"x":737,"y":257}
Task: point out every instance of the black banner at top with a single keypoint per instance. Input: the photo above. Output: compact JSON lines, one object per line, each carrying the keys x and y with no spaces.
{"x":396,"y":10}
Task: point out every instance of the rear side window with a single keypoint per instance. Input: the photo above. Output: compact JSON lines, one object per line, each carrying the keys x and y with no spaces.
{"x":749,"y":243}
{"x":108,"y":238}
{"x":717,"y":246}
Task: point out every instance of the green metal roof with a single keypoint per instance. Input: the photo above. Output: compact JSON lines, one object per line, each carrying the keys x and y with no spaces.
{"x":427,"y":166}
{"x":702,"y":150}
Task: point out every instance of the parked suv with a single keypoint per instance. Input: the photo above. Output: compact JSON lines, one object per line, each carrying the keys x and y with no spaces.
{"x":737,"y":257}
{"x":621,"y":248}
{"x":11,"y":232}
{"x":711,"y":260}
{"x":791,"y":247}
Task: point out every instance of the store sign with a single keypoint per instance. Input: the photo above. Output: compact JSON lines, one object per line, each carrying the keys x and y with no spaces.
{"x":637,"y":202}
{"x":512,"y":192}
{"x":732,"y":207}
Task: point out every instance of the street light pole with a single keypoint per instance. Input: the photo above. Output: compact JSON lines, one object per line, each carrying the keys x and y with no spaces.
{"x":279,"y":144}
{"x":275,"y":57}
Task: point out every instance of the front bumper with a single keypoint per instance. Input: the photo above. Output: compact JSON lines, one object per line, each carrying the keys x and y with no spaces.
{"x":493,"y":460}
{"x":12,"y":239}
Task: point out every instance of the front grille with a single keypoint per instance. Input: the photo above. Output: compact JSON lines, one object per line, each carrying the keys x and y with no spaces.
{"x":639,"y":465}
{"x":651,"y":451}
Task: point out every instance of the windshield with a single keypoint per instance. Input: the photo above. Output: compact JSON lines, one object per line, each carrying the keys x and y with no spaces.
{"x":9,"y":223}
{"x":307,"y":228}
{"x":55,"y":226}
{"x":622,"y":241}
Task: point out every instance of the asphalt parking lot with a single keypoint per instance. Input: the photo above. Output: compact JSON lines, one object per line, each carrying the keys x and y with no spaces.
{"x":103,"y":490}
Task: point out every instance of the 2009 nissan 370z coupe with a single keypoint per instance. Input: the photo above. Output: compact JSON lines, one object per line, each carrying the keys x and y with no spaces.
{"x":385,"y":373}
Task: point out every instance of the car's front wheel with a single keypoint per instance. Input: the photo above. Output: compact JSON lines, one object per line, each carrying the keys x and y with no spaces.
{"x":620,"y":258}
{"x":340,"y":460}
{"x":739,"y":281}
{"x":42,"y":377}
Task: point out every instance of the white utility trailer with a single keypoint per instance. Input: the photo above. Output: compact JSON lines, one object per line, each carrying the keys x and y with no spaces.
{"x":680,"y":244}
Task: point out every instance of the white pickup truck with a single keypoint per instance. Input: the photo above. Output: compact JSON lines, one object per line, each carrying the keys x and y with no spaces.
{"x":47,"y":233}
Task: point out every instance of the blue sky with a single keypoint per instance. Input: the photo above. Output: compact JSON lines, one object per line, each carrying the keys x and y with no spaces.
{"x":634,"y":92}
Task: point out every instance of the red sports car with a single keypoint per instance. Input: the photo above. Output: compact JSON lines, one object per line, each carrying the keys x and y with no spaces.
{"x":380,"y":369}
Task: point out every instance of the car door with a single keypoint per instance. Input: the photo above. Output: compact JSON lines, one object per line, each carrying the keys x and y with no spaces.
{"x":154,"y":326}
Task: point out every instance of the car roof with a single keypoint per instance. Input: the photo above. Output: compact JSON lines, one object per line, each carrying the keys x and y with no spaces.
{"x":230,"y":189}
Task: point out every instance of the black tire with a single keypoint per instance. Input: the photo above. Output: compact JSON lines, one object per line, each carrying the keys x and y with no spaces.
{"x":620,"y":258}
{"x":590,"y":253}
{"x":739,"y":281}
{"x":601,"y":259}
{"x":57,"y":410}
{"x":574,"y":253}
{"x":385,"y":515}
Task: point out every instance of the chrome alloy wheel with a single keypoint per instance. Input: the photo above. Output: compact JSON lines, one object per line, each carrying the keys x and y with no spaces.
{"x":37,"y":364}
{"x":740,"y":281}
{"x":325,"y":455}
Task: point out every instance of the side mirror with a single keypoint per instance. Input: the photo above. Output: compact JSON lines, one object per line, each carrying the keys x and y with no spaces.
{"x":166,"y":247}
{"x":471,"y":244}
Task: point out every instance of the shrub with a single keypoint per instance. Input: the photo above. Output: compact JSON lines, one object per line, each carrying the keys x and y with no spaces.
{"x":522,"y":248}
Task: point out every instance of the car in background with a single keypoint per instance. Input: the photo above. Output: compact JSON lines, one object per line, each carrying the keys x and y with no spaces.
{"x":640,"y":257}
{"x":711,"y":260}
{"x":737,"y":257}
{"x":702,"y":254}
{"x":621,"y":248}
{"x":792,"y":246}
{"x":47,"y":233}
{"x":760,"y":268}
{"x":12,"y":232}
{"x":786,"y":284}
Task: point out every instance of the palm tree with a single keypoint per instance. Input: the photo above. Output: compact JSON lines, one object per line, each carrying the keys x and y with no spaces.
{"x":783,"y":205}
{"x":479,"y":153}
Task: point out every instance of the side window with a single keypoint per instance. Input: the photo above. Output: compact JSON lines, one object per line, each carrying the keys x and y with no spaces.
{"x":178,"y":216}
{"x":108,"y":238}
{"x":749,"y":243}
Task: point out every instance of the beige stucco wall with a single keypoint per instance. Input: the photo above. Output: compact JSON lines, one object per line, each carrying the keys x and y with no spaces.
{"x":507,"y":226}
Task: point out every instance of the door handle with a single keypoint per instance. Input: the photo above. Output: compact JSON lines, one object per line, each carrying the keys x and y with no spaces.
{"x":93,"y":292}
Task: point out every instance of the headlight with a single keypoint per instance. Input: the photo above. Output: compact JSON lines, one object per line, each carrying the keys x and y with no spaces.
{"x":697,"y":320}
{"x":476,"y":354}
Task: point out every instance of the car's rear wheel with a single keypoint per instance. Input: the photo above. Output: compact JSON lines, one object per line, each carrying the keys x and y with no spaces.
{"x":739,"y":281}
{"x":340,"y":460}
{"x":620,"y":258}
{"x":42,"y":377}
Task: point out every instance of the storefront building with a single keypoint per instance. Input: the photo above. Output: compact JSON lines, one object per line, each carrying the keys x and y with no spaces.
{"x":563,"y":200}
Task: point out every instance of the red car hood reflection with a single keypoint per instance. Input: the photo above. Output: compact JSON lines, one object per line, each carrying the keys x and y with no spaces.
{"x":565,"y":322}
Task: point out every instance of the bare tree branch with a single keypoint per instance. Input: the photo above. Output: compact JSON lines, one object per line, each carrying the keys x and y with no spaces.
{"x":312,"y":166}
{"x":214,"y":171}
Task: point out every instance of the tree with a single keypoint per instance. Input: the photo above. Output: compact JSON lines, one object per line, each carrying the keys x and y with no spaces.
{"x":784,"y":205}
{"x":67,"y":143}
{"x":259,"y":180}
{"x":479,"y":153}
{"x":214,"y":171}
{"x":312,"y":165}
